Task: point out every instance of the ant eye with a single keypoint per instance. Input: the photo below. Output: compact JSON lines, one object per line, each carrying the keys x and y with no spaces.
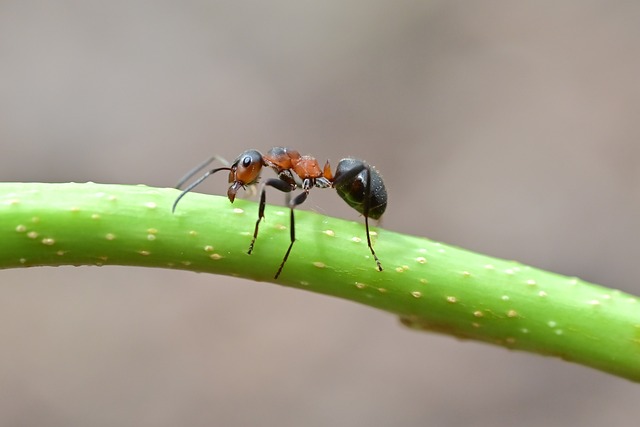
{"x":246,"y":162}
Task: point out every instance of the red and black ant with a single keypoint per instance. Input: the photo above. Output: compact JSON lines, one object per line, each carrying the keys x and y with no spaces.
{"x":357,"y":183}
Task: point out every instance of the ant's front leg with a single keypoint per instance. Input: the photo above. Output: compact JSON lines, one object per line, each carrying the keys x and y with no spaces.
{"x":278,"y":184}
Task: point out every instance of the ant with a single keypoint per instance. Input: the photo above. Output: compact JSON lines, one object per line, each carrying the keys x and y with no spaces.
{"x":356,"y":182}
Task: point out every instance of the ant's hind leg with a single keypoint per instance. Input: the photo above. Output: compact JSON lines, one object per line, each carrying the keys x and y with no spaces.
{"x":375,"y":257}
{"x":365,"y":213}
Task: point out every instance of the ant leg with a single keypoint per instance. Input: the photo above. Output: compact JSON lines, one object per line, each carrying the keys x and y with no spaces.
{"x":298,"y":200}
{"x":263,"y":201}
{"x":352,"y":173}
{"x":278,"y":185}
{"x":365,"y":212}
{"x":367,"y":200}
{"x":375,"y":257}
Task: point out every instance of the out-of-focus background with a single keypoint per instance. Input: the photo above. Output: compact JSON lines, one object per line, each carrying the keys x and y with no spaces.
{"x":509,"y":128}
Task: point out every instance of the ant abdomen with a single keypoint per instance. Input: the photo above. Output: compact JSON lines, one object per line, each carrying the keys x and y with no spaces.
{"x":361,"y":186}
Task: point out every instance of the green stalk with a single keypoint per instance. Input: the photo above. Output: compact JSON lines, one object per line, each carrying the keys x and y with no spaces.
{"x":431,"y":286}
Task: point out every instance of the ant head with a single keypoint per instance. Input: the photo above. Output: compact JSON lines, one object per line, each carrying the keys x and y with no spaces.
{"x":244,"y":171}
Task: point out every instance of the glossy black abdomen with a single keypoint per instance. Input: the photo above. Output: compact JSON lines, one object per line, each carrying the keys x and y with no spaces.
{"x":351,"y":184}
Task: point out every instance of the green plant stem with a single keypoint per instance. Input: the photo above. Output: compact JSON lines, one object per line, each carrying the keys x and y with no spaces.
{"x":431,"y":286}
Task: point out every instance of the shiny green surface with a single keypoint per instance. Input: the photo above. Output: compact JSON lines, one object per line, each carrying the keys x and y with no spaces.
{"x":431,"y":286}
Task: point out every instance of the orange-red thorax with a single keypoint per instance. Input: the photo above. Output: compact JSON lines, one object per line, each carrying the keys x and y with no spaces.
{"x":306,"y":167}
{"x":281,"y":159}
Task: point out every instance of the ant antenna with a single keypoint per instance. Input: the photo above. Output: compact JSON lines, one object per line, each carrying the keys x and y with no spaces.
{"x":197,"y":182}
{"x":194,"y":171}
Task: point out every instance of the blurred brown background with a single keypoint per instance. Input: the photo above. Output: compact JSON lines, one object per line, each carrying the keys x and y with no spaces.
{"x":509,"y":128}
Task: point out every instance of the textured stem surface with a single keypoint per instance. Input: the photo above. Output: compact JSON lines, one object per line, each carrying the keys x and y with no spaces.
{"x":431,"y":286}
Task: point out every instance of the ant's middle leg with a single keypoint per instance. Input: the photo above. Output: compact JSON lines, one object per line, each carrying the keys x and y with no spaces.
{"x":278,"y":184}
{"x":298,"y":200}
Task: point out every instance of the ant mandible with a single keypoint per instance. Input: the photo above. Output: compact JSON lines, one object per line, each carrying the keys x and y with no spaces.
{"x":357,"y":183}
